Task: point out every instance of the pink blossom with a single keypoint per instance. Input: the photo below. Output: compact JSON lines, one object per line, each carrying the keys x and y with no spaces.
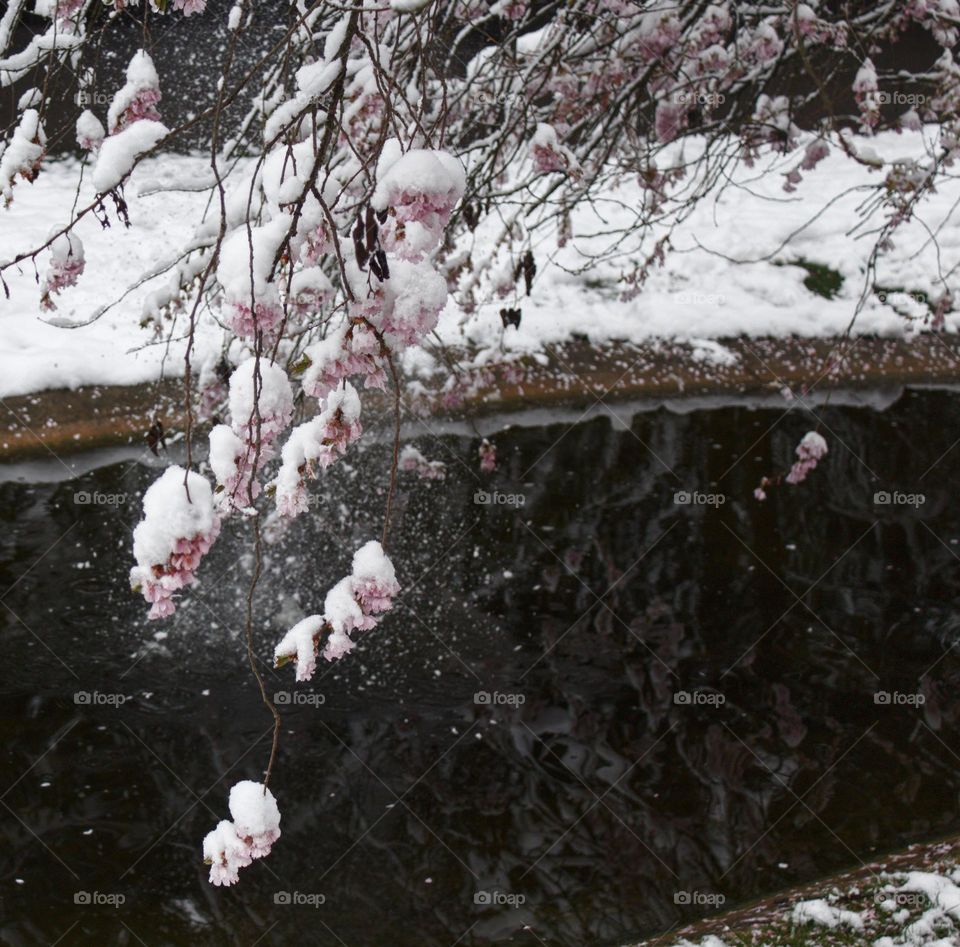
{"x":316,"y":245}
{"x":766,"y":45}
{"x":316,"y":443}
{"x":255,"y":827}
{"x":659,"y":32}
{"x":418,"y":189}
{"x":374,"y":580}
{"x":488,"y":456}
{"x":66,"y":8}
{"x":353,"y":604}
{"x":413,"y":461}
{"x":66,"y":266}
{"x":811,"y":449}
{"x":814,"y":153}
{"x":247,"y":322}
{"x":137,"y":100}
{"x":670,"y":119}
{"x":350,"y":350}
{"x":178,"y":528}
{"x":256,"y":818}
{"x":190,"y":6}
{"x":226,"y":853}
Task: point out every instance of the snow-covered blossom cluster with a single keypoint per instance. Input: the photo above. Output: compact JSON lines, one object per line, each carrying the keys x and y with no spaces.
{"x":413,"y":461}
{"x":488,"y":456}
{"x":138,"y":99}
{"x":22,"y":156}
{"x":66,"y":266}
{"x":418,"y":191}
{"x":235,"y":844}
{"x":316,"y":443}
{"x":261,"y":406}
{"x":810,"y":451}
{"x":353,"y":604}
{"x":178,"y":528}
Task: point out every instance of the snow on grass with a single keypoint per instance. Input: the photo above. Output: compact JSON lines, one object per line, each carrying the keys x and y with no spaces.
{"x":910,"y":908}
{"x":820,"y":912}
{"x":699,"y":296}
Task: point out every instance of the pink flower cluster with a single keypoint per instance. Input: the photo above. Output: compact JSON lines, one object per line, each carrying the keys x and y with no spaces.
{"x":353,"y":604}
{"x":320,"y":441}
{"x":407,"y":306}
{"x":67,"y":8}
{"x":488,"y":456}
{"x":418,"y":190}
{"x":261,"y":406}
{"x":659,"y":32}
{"x":548,"y":154}
{"x":190,"y":6}
{"x":811,"y":449}
{"x":177,"y":572}
{"x":255,"y":827}
{"x":411,"y":460}
{"x":349,"y":350}
{"x":178,"y":528}
{"x":142,"y":106}
{"x":316,"y":245}
{"x":669,"y":120}
{"x":247,"y":322}
{"x":66,"y":265}
{"x":138,"y":98}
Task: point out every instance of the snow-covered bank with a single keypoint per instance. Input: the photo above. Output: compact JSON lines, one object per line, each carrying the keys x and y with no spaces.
{"x":699,"y":295}
{"x":910,"y":899}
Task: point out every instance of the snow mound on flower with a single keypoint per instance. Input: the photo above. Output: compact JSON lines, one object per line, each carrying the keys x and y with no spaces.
{"x":418,"y":171}
{"x":255,"y":827}
{"x":169,"y":515}
{"x":119,"y":153}
{"x":300,"y":643}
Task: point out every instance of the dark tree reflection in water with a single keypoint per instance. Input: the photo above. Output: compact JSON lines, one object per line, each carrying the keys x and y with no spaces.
{"x":596,"y":714}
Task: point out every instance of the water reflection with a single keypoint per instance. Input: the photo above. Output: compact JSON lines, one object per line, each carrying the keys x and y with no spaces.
{"x":591,"y":717}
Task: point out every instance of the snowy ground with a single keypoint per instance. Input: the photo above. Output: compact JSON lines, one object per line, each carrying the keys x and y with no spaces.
{"x":915,"y":903}
{"x":698,"y":295}
{"x":912,"y":909}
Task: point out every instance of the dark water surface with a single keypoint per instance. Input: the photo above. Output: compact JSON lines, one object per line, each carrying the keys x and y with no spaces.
{"x":589,"y":801}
